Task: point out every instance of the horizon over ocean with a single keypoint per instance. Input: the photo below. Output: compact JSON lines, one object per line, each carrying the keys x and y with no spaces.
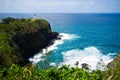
{"x":85,"y":37}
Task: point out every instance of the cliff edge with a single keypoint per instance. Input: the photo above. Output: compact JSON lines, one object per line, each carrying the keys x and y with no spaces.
{"x":23,"y":38}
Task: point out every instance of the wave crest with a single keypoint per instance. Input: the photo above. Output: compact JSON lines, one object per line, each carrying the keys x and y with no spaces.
{"x":90,"y":55}
{"x":61,"y":38}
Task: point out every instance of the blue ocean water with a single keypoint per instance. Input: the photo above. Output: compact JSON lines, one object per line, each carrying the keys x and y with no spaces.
{"x":89,"y":37}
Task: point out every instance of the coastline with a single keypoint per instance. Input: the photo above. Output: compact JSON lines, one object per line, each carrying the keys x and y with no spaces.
{"x":9,"y":47}
{"x":24,"y":38}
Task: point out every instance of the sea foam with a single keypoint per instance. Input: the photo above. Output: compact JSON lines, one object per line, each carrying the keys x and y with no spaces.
{"x":61,"y":38}
{"x":90,"y":55}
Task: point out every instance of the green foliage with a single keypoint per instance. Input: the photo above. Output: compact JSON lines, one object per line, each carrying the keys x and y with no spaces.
{"x":4,"y":40}
{"x":19,"y":35}
{"x":111,"y":74}
{"x":19,"y":73}
{"x":32,"y":73}
{"x":8,"y":20}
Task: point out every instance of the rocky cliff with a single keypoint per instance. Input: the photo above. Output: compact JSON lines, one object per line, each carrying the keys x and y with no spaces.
{"x":23,"y":38}
{"x":115,"y":64}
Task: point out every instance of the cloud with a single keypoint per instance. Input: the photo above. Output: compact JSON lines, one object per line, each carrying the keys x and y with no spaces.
{"x":59,"y":5}
{"x":71,"y":3}
{"x":90,"y":3}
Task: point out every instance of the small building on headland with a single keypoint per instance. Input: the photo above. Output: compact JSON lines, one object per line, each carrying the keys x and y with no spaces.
{"x":34,"y":17}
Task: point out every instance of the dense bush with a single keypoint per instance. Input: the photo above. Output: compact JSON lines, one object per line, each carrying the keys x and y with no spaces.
{"x":33,"y":73}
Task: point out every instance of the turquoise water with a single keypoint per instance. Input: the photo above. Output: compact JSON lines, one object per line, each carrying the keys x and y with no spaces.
{"x":86,"y":38}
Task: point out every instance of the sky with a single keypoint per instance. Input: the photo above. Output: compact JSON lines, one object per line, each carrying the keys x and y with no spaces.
{"x":59,"y":6}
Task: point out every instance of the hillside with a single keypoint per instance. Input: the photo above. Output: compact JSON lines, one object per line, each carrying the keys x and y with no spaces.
{"x":23,"y":38}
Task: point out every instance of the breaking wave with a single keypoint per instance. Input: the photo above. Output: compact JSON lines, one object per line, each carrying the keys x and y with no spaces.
{"x":61,"y":38}
{"x":90,"y":55}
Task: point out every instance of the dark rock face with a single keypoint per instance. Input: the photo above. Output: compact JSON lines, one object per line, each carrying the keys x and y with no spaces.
{"x":23,"y":38}
{"x":115,"y":64}
{"x":32,"y":43}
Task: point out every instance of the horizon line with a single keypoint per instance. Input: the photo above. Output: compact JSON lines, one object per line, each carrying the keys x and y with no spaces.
{"x":59,"y":13}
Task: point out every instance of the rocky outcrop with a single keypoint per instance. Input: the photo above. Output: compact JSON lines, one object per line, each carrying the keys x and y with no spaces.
{"x":115,"y":64}
{"x":32,"y":43}
{"x":23,"y":38}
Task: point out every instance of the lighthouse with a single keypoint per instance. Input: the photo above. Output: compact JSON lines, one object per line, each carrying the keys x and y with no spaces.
{"x":35,"y":16}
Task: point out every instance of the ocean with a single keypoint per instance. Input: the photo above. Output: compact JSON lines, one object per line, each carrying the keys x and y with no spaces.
{"x":85,"y":37}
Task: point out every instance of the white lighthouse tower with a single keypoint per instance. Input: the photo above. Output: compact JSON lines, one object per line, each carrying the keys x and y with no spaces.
{"x":35,"y":16}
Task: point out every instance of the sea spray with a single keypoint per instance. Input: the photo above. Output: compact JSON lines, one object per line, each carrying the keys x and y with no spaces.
{"x":61,"y":38}
{"x":90,"y":55}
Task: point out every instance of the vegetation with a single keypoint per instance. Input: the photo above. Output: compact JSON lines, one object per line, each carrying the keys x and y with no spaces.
{"x":22,"y":38}
{"x":28,"y":72}
{"x":33,"y":73}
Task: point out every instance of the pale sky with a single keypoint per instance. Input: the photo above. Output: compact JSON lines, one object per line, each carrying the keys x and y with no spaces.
{"x":60,"y":6}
